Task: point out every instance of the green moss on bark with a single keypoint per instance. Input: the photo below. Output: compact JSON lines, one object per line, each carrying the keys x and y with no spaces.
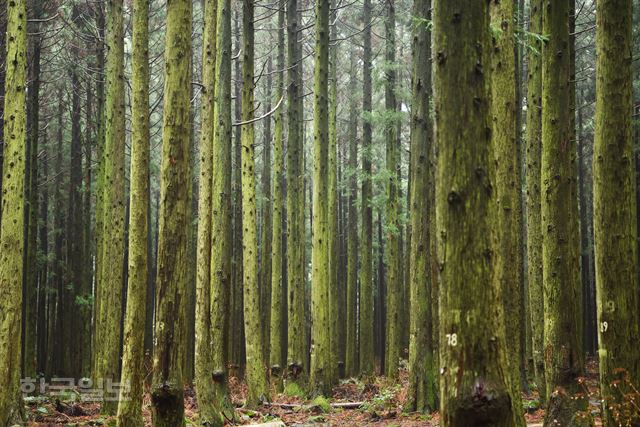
{"x":130,"y":405}
{"x":12,"y":227}
{"x":615,"y":228}
{"x":475,"y":387}
{"x":167,"y":387}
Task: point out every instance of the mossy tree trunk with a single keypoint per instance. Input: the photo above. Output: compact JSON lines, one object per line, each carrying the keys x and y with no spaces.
{"x":278,"y":303}
{"x":507,"y":184}
{"x":109,"y":314}
{"x":267,"y":220}
{"x":297,"y":351}
{"x":557,"y":208}
{"x":204,"y":367}
{"x":221,"y":231}
{"x":351,"y":353}
{"x":321,"y":369}
{"x":422,"y":367}
{"x":130,"y":405}
{"x":393,"y":277}
{"x":332,"y":204}
{"x":167,"y":387}
{"x":12,"y":227}
{"x":236,"y":317}
{"x":366,"y":248}
{"x":256,"y":368}
{"x":615,"y":206}
{"x":532,"y":178}
{"x":473,"y":383}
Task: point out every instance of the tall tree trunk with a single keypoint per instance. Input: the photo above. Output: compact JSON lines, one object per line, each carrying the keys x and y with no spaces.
{"x":221,"y":237}
{"x":575,"y":239}
{"x":12,"y":227}
{"x":532,"y":178}
{"x":109,"y":316}
{"x":236,"y":347}
{"x":393,"y":276}
{"x":351,"y":359}
{"x":100,"y":152}
{"x":256,"y":369}
{"x":278,"y":303}
{"x":72,"y":336}
{"x":130,"y":406}
{"x":506,"y":181}
{"x":321,"y":369}
{"x":557,"y":208}
{"x":204,"y":366}
{"x":297,"y":348}
{"x":167,"y":388}
{"x":366,"y":256}
{"x":55,"y":346}
{"x":31,"y":249}
{"x":472,"y":354}
{"x":334,"y":285}
{"x":615,"y":207}
{"x":45,"y":294}
{"x":267,"y":221}
{"x":422,"y":367}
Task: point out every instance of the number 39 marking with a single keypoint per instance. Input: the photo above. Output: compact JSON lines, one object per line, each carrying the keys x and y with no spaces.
{"x":604,"y":326}
{"x":452,"y":340}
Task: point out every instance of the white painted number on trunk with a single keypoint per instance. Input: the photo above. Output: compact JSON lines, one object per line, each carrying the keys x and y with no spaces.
{"x":452,"y":340}
{"x":604,"y":326}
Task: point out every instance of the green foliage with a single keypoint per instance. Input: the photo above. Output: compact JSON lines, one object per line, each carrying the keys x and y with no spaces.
{"x":322,"y":403}
{"x":84,"y":300}
{"x":293,"y":390}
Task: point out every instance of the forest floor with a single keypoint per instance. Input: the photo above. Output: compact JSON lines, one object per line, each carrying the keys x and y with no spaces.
{"x":381,"y":404}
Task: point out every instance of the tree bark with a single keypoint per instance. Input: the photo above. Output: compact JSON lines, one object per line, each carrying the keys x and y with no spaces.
{"x":167,"y":388}
{"x":615,"y":208}
{"x":109,"y":314}
{"x":473,"y":382}
{"x":12,"y":227}
{"x":130,"y":406}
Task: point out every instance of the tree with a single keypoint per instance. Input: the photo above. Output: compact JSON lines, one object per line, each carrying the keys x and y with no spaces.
{"x":335,"y":285}
{"x":221,"y":249}
{"x":480,"y":389}
{"x":297,"y":350}
{"x":267,"y":220}
{"x":351,"y":352}
{"x":366,"y":248}
{"x":109,"y":309}
{"x":422,"y":366}
{"x":393,"y":278}
{"x":12,"y":226}
{"x":557,"y":212}
{"x":507,"y":184}
{"x":615,"y":205}
{"x":130,"y":405}
{"x":31,"y":188}
{"x":278,"y":296}
{"x":167,"y":388}
{"x":532,"y":181}
{"x":256,"y":369}
{"x":321,"y":368}
{"x":204,"y":367}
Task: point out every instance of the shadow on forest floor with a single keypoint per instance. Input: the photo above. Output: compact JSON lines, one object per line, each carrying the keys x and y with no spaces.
{"x":353,"y":403}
